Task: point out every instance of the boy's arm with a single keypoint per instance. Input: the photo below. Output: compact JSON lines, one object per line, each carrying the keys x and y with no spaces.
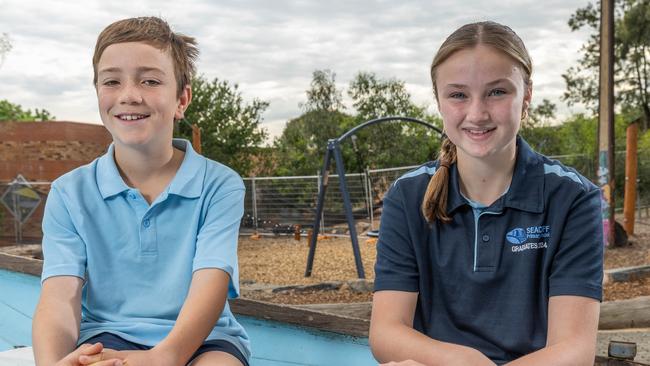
{"x":201,"y":310}
{"x":392,"y":337}
{"x":572,"y":331}
{"x":55,"y":328}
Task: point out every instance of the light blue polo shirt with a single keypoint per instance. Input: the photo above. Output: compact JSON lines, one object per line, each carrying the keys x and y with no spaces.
{"x":137,"y":259}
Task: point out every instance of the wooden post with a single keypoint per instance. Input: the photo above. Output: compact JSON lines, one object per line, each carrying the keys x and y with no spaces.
{"x":606,"y":119}
{"x":196,"y":138}
{"x":630,"y":177}
{"x":297,"y":231}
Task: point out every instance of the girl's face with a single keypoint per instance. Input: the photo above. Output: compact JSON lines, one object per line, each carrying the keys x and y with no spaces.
{"x":481,"y":97}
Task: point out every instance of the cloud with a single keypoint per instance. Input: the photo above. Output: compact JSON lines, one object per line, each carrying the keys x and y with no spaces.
{"x":270,"y":48}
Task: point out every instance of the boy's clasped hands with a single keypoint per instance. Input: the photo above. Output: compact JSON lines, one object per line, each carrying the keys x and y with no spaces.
{"x":97,"y":355}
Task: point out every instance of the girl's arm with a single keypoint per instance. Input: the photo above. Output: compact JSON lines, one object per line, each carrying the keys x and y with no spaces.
{"x":572,"y":331}
{"x":392,"y":337}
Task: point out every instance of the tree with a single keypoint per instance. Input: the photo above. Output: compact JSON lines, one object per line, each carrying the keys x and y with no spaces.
{"x":390,"y":144}
{"x":323,"y":95}
{"x":230,"y":127}
{"x":303,"y":142}
{"x":537,"y":129}
{"x":15,"y":112}
{"x":302,"y":145}
{"x":5,"y":47}
{"x":373,"y":97}
{"x":631,"y":53}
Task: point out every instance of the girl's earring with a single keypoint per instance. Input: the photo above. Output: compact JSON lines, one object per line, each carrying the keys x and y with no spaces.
{"x":524,"y":115}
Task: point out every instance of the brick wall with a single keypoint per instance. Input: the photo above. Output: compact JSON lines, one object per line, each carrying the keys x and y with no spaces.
{"x":41,"y":152}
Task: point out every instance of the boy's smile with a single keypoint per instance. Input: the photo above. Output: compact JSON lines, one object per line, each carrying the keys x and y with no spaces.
{"x":136,"y":91}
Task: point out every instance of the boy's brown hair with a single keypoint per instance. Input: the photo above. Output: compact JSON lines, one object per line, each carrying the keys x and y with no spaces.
{"x":157,"y":33}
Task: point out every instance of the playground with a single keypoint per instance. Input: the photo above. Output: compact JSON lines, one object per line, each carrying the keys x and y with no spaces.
{"x":271,"y":262}
{"x":307,"y":248}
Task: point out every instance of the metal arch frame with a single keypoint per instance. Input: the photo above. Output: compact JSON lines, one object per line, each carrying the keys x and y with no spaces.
{"x":334,"y":148}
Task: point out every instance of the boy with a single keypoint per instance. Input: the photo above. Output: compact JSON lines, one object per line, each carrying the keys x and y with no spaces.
{"x":140,"y":245}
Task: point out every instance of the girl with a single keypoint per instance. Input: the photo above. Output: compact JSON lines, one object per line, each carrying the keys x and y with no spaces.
{"x":493,"y":253}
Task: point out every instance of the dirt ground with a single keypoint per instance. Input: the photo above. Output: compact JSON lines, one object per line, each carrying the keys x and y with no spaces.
{"x":282,"y":261}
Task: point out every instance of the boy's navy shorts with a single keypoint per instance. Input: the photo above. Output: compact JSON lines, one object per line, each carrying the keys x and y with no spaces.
{"x":117,"y":343}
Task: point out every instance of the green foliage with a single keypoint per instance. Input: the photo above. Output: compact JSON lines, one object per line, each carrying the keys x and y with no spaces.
{"x":323,"y":94}
{"x":14,"y":112}
{"x":537,"y":129}
{"x":230,"y":127}
{"x":631,"y":54}
{"x":374,"y":98}
{"x":303,"y":143}
{"x":396,"y":143}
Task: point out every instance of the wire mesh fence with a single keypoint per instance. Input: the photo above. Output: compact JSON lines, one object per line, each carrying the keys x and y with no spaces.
{"x":275,"y":205}
{"x":588,"y":166}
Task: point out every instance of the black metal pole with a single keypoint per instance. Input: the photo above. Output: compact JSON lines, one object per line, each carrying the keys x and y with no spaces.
{"x":348,"y":210}
{"x":333,"y":145}
{"x":319,"y":207}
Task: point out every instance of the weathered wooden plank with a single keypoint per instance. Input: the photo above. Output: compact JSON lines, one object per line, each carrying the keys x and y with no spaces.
{"x":21,"y":264}
{"x":301,"y":317}
{"x":359,"y":310}
{"x":605,"y":361}
{"x":633,"y":313}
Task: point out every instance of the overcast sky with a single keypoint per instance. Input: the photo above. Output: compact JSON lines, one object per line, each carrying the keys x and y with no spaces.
{"x":270,"y":48}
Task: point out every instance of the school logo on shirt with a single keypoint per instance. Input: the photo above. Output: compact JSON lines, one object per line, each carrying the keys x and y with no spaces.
{"x":519,"y":237}
{"x":516,"y":236}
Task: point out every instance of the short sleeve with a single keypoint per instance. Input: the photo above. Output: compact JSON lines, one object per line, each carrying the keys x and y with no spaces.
{"x":216,"y":245}
{"x":64,"y":251}
{"x":396,"y":267}
{"x":577,"y":267}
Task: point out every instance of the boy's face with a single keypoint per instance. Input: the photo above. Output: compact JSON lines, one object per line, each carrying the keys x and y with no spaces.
{"x":136,"y":92}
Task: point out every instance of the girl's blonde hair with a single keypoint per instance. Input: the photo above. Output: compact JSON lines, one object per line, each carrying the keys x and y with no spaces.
{"x":499,"y":37}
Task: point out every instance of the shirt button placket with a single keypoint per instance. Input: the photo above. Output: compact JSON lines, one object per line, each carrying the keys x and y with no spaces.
{"x":148,"y":237}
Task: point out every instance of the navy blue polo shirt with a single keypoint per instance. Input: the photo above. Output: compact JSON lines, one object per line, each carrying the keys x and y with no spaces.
{"x":484,"y":280}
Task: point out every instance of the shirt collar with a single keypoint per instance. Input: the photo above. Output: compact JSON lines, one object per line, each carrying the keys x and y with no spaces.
{"x":526,"y":189}
{"x":188,"y":181}
{"x":109,"y":180}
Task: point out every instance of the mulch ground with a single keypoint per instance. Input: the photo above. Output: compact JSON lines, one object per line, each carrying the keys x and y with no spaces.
{"x":282,"y":261}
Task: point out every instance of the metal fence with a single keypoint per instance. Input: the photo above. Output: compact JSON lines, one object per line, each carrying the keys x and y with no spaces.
{"x":588,"y":166}
{"x":274,"y":205}
{"x":277,"y":204}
